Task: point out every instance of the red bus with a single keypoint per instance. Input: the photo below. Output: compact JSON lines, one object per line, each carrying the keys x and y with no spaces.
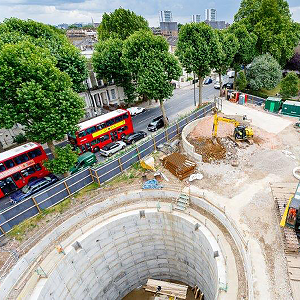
{"x":100,"y":131}
{"x":20,"y":165}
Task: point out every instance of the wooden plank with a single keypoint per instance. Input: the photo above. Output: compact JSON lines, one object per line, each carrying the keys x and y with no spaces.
{"x":294,"y":273}
{"x":167,"y":288}
{"x":293,"y":261}
{"x":295,"y":286}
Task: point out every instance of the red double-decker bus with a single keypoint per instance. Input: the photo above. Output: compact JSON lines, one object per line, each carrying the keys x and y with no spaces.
{"x":100,"y":131}
{"x":20,"y":165}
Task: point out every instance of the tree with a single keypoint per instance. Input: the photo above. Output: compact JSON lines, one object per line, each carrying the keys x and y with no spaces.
{"x":229,"y":45}
{"x":152,"y":67}
{"x":246,"y":50}
{"x":64,"y":161}
{"x":241,"y":81}
{"x":120,"y":24}
{"x":179,"y":26}
{"x":36,"y":94}
{"x":264,"y":72}
{"x":198,"y":50}
{"x":294,"y":63}
{"x":108,"y":65}
{"x":68,"y":58}
{"x":289,"y":85}
{"x":270,"y":21}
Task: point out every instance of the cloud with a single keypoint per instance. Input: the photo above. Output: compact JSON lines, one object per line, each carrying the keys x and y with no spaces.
{"x":295,"y":11}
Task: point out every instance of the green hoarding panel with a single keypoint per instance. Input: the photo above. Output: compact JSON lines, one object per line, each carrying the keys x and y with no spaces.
{"x":291,"y":108}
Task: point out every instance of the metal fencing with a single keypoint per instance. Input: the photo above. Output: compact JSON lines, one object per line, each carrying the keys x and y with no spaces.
{"x":255,"y":100}
{"x":32,"y":206}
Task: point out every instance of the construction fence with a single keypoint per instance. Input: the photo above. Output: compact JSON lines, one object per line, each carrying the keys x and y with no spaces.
{"x":32,"y":206}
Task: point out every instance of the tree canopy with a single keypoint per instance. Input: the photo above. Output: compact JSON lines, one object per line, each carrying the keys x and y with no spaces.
{"x":151,"y":65}
{"x":289,"y":85}
{"x":229,"y":46}
{"x":64,"y":161}
{"x":198,"y":50}
{"x":108,"y":65}
{"x":264,"y":73}
{"x":241,"y":81}
{"x":36,"y":94}
{"x":67,"y":57}
{"x":270,"y":21}
{"x":120,"y":24}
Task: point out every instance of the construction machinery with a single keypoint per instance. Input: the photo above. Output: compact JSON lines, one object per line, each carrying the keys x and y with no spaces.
{"x":242,"y":131}
{"x":291,"y":216}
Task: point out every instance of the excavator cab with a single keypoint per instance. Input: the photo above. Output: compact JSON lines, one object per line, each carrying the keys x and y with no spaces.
{"x":293,"y":215}
{"x":243,"y":132}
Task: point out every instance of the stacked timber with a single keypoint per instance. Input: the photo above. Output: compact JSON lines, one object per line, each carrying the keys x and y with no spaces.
{"x":178,"y":291}
{"x":179,"y":165}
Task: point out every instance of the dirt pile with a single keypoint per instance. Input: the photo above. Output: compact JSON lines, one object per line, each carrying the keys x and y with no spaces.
{"x":210,"y":151}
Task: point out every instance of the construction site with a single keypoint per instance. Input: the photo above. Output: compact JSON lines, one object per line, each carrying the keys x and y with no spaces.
{"x":210,"y":215}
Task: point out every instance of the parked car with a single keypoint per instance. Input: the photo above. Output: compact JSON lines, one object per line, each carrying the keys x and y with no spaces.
{"x":32,"y":187}
{"x":229,"y":85}
{"x":156,"y":124}
{"x":112,"y":148}
{"x":217,"y":85}
{"x":231,"y":74}
{"x":136,"y":110}
{"x":207,"y":81}
{"x":86,"y":159}
{"x":134,"y":137}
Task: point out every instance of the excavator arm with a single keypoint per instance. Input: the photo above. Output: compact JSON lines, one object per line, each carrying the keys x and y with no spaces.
{"x":217,"y":119}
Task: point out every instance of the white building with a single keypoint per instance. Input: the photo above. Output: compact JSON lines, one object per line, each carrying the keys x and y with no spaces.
{"x":196,"y":18}
{"x":165,"y":16}
{"x":211,"y":14}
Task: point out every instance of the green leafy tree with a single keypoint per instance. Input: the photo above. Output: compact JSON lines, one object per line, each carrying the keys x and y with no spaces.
{"x":229,"y":45}
{"x":264,"y":73}
{"x":241,"y":81}
{"x":120,"y":24}
{"x":198,"y":50}
{"x":270,"y":21}
{"x":289,"y":85}
{"x":108,"y":65}
{"x":36,"y":94}
{"x":151,"y":65}
{"x":246,"y":47}
{"x":64,"y":161}
{"x":67,"y":57}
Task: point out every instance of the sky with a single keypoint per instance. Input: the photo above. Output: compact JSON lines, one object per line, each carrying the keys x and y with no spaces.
{"x":83,"y":11}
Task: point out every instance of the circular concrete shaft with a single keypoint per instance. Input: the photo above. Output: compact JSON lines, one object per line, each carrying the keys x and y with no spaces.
{"x":121,"y":253}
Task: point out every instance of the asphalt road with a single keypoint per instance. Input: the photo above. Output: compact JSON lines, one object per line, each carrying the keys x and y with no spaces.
{"x":182,"y":100}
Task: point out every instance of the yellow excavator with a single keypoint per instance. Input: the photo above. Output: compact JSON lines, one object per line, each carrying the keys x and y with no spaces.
{"x":242,"y":131}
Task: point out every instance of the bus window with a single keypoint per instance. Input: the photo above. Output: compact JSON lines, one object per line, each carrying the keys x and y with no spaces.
{"x":9,"y":163}
{"x":104,"y":138}
{"x":119,"y":119}
{"x":125,"y":116}
{"x":2,"y":168}
{"x":94,"y":142}
{"x":17,"y":176}
{"x":28,"y":171}
{"x":21,"y":159}
{"x":109,"y":122}
{"x":81,"y":134}
{"x":38,"y":167}
{"x":100,"y":126}
{"x":34,"y":153}
{"x":91,"y":130}
{"x":121,"y":129}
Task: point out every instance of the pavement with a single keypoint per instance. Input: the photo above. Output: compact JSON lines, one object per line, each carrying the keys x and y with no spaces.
{"x":267,"y":121}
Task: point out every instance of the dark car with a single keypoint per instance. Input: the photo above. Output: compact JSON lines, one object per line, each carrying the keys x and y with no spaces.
{"x":134,"y":137}
{"x":156,"y":123}
{"x":229,"y":85}
{"x":207,"y":81}
{"x":32,"y":187}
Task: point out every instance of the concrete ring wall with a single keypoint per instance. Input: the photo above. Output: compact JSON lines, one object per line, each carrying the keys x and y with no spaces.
{"x":188,"y":148}
{"x":122,"y":254}
{"x":137,"y":199}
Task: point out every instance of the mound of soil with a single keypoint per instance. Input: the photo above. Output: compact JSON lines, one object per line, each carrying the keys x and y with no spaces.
{"x":210,"y":151}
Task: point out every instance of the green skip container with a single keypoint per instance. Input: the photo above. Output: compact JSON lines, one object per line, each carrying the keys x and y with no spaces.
{"x":291,"y":108}
{"x":273,"y":104}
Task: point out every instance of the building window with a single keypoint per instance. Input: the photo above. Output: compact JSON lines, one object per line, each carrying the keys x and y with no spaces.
{"x":113,"y":94}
